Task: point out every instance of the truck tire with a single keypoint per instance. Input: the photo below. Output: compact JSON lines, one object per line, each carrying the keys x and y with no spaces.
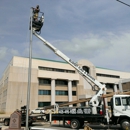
{"x":125,"y":124}
{"x":75,"y":124}
{"x":6,"y":122}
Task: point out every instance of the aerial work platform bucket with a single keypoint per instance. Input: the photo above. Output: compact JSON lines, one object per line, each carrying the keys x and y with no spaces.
{"x":37,"y":23}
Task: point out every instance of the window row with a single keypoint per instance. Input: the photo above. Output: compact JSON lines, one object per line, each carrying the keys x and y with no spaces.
{"x":107,"y":75}
{"x":57,"y":92}
{"x":44,"y":92}
{"x":57,"y":82}
{"x":42,"y":104}
{"x":55,"y":69}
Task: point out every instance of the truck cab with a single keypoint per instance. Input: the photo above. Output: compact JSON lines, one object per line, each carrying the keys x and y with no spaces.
{"x":120,"y":108}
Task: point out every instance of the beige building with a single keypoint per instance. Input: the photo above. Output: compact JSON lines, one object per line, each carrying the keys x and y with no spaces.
{"x":52,"y":82}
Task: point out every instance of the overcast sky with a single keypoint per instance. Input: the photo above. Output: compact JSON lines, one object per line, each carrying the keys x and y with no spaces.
{"x":95,"y":30}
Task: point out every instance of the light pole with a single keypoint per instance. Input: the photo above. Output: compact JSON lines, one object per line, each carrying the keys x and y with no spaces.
{"x":29,"y":72}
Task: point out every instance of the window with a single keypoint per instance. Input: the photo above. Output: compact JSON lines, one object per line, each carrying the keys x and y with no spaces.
{"x":118,"y":86}
{"x":83,"y":104}
{"x":108,"y":92}
{"x":109,"y":86}
{"x":126,"y":86}
{"x":56,"y":69}
{"x":108,"y":75}
{"x":86,"y":69}
{"x":43,"y":104}
{"x":44,"y":81}
{"x":70,"y":71}
{"x":44,"y":92}
{"x":74,"y":83}
{"x":117,"y":102}
{"x":74,"y":93}
{"x":61,"y":82}
{"x":60,"y":103}
{"x":60,"y":92}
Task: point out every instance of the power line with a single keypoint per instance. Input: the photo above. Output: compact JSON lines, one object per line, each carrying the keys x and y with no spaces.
{"x":123,"y":3}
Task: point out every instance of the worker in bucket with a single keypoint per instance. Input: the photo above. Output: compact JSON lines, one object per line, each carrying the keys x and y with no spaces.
{"x":35,"y":12}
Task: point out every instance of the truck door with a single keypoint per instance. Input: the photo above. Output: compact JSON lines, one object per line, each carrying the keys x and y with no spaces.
{"x":117,"y":110}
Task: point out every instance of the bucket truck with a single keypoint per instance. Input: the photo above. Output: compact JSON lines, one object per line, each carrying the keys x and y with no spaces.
{"x":120,"y":104}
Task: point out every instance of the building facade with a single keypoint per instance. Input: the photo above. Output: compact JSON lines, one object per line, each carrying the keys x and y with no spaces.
{"x":52,"y":82}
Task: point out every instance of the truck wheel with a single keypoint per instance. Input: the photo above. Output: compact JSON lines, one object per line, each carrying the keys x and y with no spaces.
{"x":125,"y":124}
{"x":6,"y":122}
{"x":75,"y":124}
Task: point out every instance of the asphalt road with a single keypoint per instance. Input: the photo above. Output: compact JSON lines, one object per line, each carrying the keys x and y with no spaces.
{"x":60,"y":127}
{"x":47,"y":126}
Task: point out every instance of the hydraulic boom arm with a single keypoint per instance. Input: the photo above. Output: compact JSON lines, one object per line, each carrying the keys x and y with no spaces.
{"x":95,"y":99}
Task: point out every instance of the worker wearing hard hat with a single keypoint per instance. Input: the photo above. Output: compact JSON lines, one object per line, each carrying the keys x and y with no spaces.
{"x":35,"y":12}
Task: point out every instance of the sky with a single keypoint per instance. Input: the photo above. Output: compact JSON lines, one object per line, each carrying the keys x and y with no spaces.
{"x":95,"y":30}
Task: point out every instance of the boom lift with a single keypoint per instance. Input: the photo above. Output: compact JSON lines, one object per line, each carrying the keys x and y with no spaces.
{"x":36,"y":26}
{"x":120,"y":112}
{"x":95,"y":99}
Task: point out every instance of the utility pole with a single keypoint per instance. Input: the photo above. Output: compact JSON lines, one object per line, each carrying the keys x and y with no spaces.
{"x":29,"y":72}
